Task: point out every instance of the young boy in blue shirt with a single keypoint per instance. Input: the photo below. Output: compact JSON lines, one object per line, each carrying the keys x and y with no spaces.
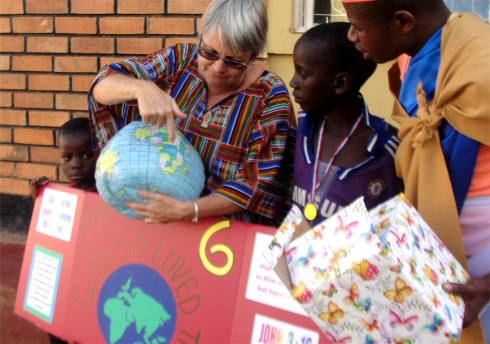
{"x":442,"y":105}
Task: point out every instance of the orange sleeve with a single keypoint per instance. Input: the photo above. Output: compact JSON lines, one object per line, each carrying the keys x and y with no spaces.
{"x":480,"y":184}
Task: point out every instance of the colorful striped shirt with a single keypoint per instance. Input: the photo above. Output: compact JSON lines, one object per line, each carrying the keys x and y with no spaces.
{"x":248,"y":145}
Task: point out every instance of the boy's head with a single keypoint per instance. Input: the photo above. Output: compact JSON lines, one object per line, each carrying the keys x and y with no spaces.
{"x":386,"y":29}
{"x":76,"y":153}
{"x":327,"y":65}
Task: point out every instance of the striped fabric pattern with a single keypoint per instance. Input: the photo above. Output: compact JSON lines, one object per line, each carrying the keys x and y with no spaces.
{"x":248,"y":146}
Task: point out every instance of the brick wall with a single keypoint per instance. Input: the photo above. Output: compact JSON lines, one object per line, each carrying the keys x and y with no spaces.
{"x":50,"y":52}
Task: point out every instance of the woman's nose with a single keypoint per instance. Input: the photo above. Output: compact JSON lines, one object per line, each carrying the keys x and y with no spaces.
{"x":219,"y":65}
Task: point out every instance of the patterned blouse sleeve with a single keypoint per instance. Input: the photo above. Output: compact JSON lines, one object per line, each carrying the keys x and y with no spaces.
{"x":263,"y":182}
{"x":106,"y":120}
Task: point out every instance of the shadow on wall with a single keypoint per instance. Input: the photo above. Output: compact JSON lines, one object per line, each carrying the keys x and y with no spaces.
{"x":15,"y":213}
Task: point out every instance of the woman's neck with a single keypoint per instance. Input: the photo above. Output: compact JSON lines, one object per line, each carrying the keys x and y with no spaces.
{"x":215,"y":95}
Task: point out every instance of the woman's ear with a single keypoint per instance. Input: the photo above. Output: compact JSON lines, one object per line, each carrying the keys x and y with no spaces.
{"x":342,"y":82}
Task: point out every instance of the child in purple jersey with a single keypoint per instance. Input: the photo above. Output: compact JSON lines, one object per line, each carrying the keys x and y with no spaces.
{"x":342,"y":151}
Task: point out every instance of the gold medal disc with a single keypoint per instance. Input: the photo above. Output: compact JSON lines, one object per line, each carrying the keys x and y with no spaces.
{"x":310,"y":211}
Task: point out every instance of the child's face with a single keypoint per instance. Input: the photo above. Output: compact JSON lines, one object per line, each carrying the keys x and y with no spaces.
{"x":78,"y":160}
{"x":375,"y":41}
{"x":313,"y":83}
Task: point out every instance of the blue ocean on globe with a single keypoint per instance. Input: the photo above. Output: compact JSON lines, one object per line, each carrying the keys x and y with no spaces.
{"x":140,"y":156}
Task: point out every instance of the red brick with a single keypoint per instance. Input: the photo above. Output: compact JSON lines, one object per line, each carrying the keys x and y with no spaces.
{"x":187,"y":6}
{"x":4,"y":62}
{"x":32,"y":24}
{"x":6,"y":135}
{"x":32,"y":63}
{"x":76,"y":25}
{"x":11,"y":7}
{"x":104,"y":60}
{"x":49,"y":82}
{"x":140,"y":7}
{"x":5,"y":25}
{"x":12,"y":44}
{"x":122,"y":25}
{"x":138,"y":45}
{"x":48,"y":118}
{"x":33,"y":100}
{"x":71,"y":101}
{"x":91,"y":45}
{"x":14,"y":186}
{"x":46,"y":6}
{"x":13,"y":117}
{"x":5,"y":99}
{"x":47,"y":45}
{"x":56,"y":138}
{"x":163,"y":26}
{"x":175,"y":40}
{"x":12,"y":81}
{"x":78,"y":114}
{"x":7,"y":169}
{"x":78,"y":64}
{"x":14,"y":153}
{"x":82,"y":83}
{"x":50,"y":155}
{"x":92,"y":6}
{"x":40,"y":137}
{"x":29,"y":171}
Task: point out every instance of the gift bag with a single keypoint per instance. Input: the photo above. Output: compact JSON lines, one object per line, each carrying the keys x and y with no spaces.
{"x":371,"y":276}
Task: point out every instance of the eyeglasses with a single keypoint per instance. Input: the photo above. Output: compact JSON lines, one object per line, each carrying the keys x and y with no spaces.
{"x":228,"y":62}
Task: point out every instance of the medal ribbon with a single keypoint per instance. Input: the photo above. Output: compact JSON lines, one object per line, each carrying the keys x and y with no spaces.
{"x":319,"y":150}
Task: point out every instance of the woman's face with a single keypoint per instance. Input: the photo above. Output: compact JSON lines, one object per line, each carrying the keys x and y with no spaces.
{"x":215,"y":73}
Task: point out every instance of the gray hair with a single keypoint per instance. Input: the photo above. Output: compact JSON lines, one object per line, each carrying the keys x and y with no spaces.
{"x":241,"y":25}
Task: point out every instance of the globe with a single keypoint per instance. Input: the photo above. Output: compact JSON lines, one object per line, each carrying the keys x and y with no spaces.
{"x":140,"y":156}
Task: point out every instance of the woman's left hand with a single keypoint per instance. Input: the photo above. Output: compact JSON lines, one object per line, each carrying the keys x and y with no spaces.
{"x":162,"y":208}
{"x":476,"y":294}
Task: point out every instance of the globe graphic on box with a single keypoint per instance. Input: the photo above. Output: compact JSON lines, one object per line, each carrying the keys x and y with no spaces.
{"x":141,"y":157}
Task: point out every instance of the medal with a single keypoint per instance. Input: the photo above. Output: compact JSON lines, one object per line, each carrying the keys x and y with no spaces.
{"x":310,"y":211}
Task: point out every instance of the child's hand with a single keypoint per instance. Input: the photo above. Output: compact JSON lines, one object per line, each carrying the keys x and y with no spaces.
{"x":35,"y":184}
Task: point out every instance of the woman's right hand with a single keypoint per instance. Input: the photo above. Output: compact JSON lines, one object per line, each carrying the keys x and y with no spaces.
{"x":156,"y":107}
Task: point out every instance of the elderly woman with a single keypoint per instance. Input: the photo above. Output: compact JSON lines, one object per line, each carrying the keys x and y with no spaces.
{"x":236,"y":114}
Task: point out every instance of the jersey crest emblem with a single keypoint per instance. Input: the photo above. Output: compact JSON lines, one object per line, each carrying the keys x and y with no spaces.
{"x":375,"y":188}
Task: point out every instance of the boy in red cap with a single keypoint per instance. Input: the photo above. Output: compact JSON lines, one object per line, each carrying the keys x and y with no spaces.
{"x":444,"y":110}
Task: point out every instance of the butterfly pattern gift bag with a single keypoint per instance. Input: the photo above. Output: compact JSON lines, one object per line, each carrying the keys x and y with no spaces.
{"x":372,"y":276}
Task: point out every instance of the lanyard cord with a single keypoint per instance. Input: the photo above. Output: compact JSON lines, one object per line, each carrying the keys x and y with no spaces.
{"x":315,"y":183}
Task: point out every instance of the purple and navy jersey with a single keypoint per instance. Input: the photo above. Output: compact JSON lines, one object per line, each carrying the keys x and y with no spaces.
{"x":375,"y":178}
